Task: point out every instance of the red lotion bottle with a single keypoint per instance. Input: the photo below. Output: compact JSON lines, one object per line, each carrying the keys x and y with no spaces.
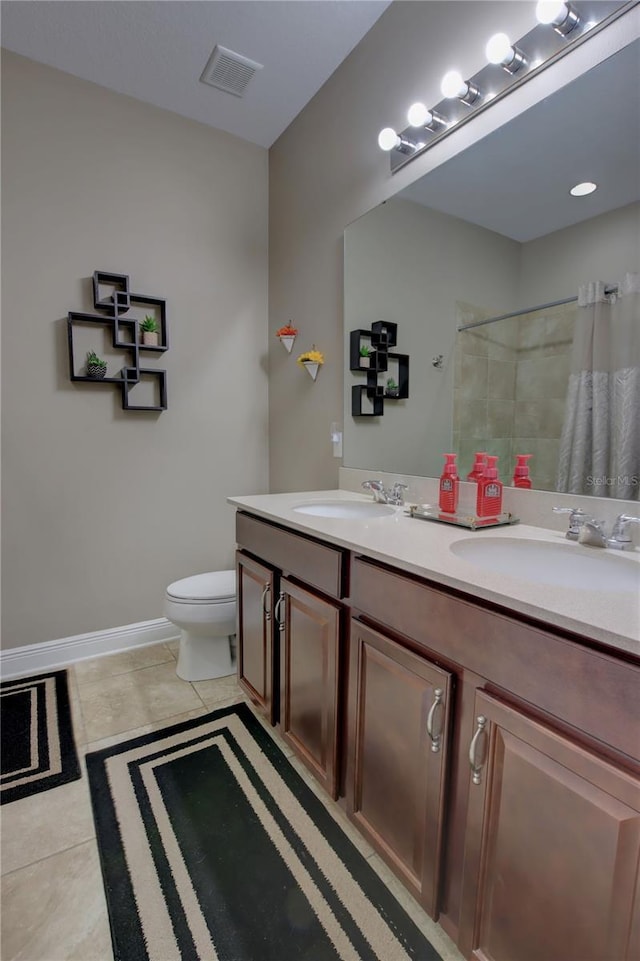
{"x":489,"y":501}
{"x":479,"y":465}
{"x":449,"y":485}
{"x":521,"y":473}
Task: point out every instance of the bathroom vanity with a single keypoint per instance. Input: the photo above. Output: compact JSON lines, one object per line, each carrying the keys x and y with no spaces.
{"x":481,"y":730}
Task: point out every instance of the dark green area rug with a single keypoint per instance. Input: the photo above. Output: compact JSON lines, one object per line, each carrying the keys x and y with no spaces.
{"x":212,"y":847}
{"x":37,"y":750}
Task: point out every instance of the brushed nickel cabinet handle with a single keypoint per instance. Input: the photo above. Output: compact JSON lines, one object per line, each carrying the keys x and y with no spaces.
{"x":278,"y":611}
{"x":265,"y":596}
{"x":475,"y":762}
{"x":435,"y":738}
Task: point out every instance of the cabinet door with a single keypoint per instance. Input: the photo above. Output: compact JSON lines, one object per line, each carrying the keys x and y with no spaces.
{"x":398,"y":741}
{"x":310,"y":651}
{"x":256,"y":650}
{"x":552,"y":847}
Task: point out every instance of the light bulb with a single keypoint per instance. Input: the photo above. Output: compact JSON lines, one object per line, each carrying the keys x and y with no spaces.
{"x":388,"y":139}
{"x":453,"y":85}
{"x":557,"y":13}
{"x":499,"y":49}
{"x":581,"y":190}
{"x":551,"y":11}
{"x":418,"y":115}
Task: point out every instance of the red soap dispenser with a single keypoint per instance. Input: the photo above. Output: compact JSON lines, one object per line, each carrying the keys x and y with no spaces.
{"x":489,"y":501}
{"x":521,"y":473}
{"x":479,"y":465}
{"x":449,"y":485}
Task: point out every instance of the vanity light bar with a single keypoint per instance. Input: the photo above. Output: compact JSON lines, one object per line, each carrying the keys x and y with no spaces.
{"x":510,"y":65}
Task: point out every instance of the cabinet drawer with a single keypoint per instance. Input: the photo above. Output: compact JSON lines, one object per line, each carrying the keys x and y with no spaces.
{"x":559,"y":674}
{"x":317,"y":564}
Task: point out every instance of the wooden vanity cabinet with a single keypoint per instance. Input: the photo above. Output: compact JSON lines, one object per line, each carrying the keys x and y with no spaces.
{"x":291,"y":637}
{"x":256,"y":661}
{"x":310,"y":647}
{"x":494,"y":763}
{"x":552,"y":846}
{"x":397,"y":756}
{"x":545,"y":848}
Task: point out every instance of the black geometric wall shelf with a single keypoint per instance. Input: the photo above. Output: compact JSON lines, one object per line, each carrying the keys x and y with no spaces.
{"x":113,"y":298}
{"x":377,"y":358}
{"x":380,"y":366}
{"x":132,"y":377}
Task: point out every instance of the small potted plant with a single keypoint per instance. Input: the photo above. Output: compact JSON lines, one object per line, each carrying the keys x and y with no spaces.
{"x":312,"y":360}
{"x":149,"y":328}
{"x":392,"y":388}
{"x":95,"y":366}
{"x":287,"y":335}
{"x":366,"y":353}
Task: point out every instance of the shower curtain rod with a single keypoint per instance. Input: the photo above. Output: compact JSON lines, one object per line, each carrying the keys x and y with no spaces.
{"x":528,"y":310}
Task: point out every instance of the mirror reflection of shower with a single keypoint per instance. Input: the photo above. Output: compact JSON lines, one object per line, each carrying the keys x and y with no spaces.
{"x":510,"y":388}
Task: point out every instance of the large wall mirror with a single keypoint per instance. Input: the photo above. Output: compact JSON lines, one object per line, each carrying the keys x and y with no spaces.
{"x":495,"y":232}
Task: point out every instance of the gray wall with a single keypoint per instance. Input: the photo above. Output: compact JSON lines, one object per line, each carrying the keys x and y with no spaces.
{"x":602,"y":248}
{"x":409,"y":264}
{"x":102,"y":509}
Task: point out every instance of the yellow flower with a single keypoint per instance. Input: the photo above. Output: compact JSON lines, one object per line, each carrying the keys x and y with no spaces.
{"x":312,"y":356}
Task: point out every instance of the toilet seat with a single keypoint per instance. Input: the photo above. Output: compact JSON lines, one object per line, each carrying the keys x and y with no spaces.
{"x":216,"y":587}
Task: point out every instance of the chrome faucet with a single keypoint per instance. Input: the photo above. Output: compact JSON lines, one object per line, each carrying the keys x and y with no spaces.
{"x":588,"y":530}
{"x":577,"y":519}
{"x":620,"y":539}
{"x":383,"y":495}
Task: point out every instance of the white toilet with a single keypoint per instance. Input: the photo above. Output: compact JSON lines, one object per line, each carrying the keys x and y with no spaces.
{"x":204,"y":608}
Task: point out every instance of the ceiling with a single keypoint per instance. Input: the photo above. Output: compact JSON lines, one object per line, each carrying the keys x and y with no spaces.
{"x":516,"y":181}
{"x":156,"y":50}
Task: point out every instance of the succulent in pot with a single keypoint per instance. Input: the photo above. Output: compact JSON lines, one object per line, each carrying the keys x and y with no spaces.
{"x":366,"y":353}
{"x":392,"y":388}
{"x":96,"y":367}
{"x":150,"y":331}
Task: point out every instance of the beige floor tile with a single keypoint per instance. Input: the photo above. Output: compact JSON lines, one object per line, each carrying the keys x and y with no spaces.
{"x":44,"y":824}
{"x":54,"y":910}
{"x":79,"y":732}
{"x":174,"y":647}
{"x":432,"y":931}
{"x":132,"y":700}
{"x":132,"y":660}
{"x":218,"y":689}
{"x":105,"y":742}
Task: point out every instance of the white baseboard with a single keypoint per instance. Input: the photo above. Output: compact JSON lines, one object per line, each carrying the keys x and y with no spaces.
{"x":36,"y":658}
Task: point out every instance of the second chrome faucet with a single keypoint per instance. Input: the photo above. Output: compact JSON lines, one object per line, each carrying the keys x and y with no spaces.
{"x":384,"y":495}
{"x":587,"y":530}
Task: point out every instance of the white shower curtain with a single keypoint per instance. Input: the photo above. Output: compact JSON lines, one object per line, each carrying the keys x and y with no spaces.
{"x":600,"y":442}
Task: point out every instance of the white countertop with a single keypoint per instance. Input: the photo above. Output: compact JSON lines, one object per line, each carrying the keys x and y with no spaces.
{"x":424,"y":548}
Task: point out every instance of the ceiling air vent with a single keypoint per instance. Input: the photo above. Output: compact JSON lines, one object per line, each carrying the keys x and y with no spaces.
{"x":229,"y":71}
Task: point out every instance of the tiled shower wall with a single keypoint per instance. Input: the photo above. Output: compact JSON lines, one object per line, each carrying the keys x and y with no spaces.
{"x":510,"y":388}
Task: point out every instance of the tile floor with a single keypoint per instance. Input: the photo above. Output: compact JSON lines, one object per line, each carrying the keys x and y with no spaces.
{"x":52,"y":900}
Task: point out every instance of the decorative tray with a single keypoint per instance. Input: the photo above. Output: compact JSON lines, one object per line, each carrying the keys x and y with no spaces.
{"x":427,"y":512}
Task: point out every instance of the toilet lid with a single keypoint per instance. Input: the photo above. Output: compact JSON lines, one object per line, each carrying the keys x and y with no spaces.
{"x":211,"y":587}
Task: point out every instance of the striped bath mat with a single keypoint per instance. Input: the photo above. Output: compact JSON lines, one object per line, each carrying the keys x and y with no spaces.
{"x":37,"y":747}
{"x":212,"y":847}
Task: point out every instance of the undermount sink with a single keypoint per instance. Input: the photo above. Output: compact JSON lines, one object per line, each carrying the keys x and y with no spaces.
{"x":560,"y":565}
{"x":350,"y":510}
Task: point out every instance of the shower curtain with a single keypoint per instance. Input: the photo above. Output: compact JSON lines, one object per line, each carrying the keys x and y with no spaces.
{"x":600,"y":442}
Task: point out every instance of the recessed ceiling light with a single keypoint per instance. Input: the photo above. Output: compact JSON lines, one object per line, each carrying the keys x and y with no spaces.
{"x":581,"y":190}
